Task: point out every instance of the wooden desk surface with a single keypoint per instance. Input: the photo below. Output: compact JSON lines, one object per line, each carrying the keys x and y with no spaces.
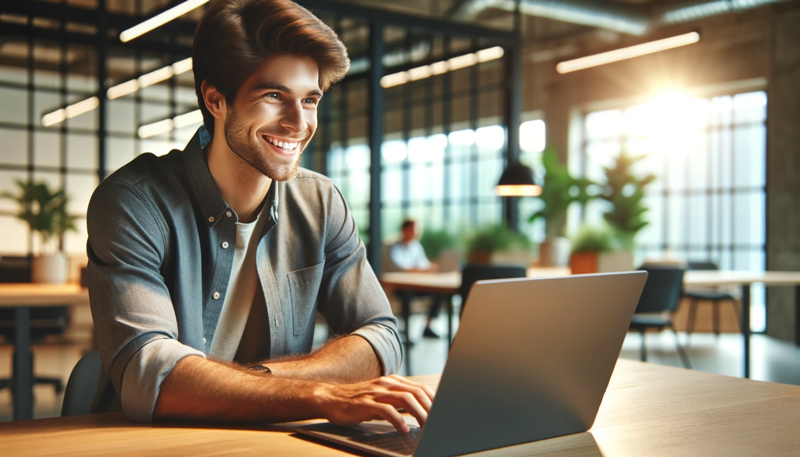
{"x":27,"y":294}
{"x":648,"y":410}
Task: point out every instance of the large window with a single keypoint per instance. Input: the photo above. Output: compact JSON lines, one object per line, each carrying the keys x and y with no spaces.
{"x":709,"y":156}
{"x":445,"y":181}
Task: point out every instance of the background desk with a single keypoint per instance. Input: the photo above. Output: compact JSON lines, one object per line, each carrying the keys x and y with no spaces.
{"x":447,"y":284}
{"x":23,"y":297}
{"x":648,"y":410}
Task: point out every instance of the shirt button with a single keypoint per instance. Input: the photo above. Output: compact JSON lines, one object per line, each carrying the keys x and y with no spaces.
{"x":228,"y":213}
{"x":211,"y":219}
{"x":224,"y":245}
{"x":215,"y":295}
{"x":204,"y":341}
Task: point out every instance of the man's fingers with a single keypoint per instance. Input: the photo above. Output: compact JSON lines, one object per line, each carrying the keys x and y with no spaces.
{"x":406,"y":401}
{"x":423,"y":392}
{"x":390,"y":414}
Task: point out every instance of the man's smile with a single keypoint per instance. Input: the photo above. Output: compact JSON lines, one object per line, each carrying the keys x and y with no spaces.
{"x":286,"y":145}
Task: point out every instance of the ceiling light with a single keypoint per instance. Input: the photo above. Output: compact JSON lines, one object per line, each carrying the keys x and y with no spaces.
{"x":437,"y":68}
{"x":159,"y":19}
{"x":162,"y":74}
{"x":166,"y":125}
{"x":627,"y":53}
{"x":517,"y":181}
{"x":76,"y":109}
{"x":148,"y":79}
{"x":156,"y":128}
{"x":120,"y":90}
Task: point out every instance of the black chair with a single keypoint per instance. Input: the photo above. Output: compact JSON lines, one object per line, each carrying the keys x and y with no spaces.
{"x":714,"y":296}
{"x":45,"y":321}
{"x":82,"y":385}
{"x":480,"y":271}
{"x":659,"y":299}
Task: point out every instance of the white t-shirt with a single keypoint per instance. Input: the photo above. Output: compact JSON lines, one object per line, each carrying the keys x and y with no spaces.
{"x":241,"y":291}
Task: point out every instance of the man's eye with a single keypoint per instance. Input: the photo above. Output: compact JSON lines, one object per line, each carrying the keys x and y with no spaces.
{"x":274,"y":95}
{"x":310,"y":101}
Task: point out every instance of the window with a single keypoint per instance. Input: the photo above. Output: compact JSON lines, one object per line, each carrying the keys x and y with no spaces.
{"x":709,"y":156}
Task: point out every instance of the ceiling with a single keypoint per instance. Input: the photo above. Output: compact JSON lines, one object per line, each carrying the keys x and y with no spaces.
{"x":552,"y":28}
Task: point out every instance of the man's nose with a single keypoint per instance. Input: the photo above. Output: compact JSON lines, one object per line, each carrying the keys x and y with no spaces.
{"x":292,"y":117}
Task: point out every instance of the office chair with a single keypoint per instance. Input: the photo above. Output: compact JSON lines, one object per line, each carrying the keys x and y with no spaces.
{"x":659,"y":299}
{"x":82,"y":385}
{"x":479,"y":271}
{"x":45,"y":321}
{"x":710,"y":295}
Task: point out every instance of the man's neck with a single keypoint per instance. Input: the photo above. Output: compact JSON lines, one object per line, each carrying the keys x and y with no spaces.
{"x":242,"y":186}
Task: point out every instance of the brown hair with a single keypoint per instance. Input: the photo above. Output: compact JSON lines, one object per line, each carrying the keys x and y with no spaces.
{"x":234,"y":37}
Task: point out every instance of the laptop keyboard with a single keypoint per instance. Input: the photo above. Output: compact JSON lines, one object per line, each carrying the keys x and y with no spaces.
{"x":394,"y":441}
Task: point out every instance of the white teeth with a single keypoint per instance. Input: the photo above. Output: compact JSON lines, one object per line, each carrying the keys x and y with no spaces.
{"x":282,"y":144}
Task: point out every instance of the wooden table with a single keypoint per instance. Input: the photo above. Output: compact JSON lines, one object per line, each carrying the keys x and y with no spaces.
{"x":448,"y":284}
{"x":649,"y":409}
{"x":23,"y":297}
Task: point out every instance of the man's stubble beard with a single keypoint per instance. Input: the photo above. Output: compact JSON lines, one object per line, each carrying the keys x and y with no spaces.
{"x":238,"y":139}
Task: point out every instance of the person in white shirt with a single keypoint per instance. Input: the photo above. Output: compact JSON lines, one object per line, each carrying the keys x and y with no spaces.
{"x":407,"y":254}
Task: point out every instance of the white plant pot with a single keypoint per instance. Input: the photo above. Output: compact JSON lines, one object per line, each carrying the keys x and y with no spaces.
{"x":608,"y":262}
{"x":50,"y":269}
{"x":554,"y":252}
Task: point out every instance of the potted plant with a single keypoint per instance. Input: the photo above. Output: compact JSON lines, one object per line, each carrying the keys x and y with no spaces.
{"x":485,"y":244}
{"x":437,"y":242}
{"x":559,"y":190}
{"x":45,"y":212}
{"x":595,"y":250}
{"x":625,"y":192}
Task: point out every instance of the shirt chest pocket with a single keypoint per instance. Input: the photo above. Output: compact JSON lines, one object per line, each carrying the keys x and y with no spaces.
{"x":304,"y":289}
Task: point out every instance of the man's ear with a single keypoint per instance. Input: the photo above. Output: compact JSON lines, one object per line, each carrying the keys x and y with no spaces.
{"x":214,"y":100}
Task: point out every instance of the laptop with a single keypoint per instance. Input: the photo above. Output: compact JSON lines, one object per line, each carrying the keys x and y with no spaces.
{"x":531,"y":360}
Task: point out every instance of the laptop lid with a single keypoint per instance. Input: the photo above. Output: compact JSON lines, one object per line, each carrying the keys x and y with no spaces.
{"x":531,"y":360}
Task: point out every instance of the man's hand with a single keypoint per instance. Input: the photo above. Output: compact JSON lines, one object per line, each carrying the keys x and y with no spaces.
{"x":350,"y":404}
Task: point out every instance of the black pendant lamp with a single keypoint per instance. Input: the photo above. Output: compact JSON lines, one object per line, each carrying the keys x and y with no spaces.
{"x":517,"y":181}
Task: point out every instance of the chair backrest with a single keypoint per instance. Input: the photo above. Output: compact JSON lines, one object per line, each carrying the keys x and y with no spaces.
{"x":82,"y":385}
{"x":662,"y":291}
{"x":704,"y":265}
{"x":478,"y":271}
{"x":15,"y":269}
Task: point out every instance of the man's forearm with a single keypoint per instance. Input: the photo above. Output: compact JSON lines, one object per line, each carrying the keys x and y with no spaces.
{"x":203,"y":390}
{"x":198,"y":389}
{"x":347,"y":359}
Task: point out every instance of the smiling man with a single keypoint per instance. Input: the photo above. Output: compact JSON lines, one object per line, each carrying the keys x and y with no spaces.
{"x":208,"y":266}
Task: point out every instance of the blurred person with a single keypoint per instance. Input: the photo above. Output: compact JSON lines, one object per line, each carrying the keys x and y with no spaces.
{"x":407,"y":254}
{"x":207,"y":266}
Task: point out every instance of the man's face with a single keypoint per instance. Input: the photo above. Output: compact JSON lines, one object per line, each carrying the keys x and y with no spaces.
{"x":274,"y":115}
{"x":409,"y":232}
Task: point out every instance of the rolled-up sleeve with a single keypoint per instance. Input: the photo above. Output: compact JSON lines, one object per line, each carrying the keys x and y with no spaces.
{"x":352,"y":300}
{"x":136,"y":328}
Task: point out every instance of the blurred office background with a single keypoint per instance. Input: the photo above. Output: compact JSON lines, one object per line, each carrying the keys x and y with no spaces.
{"x":442,"y":95}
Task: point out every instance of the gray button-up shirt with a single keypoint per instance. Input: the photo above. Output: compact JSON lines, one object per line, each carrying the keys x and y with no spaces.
{"x":158,"y":270}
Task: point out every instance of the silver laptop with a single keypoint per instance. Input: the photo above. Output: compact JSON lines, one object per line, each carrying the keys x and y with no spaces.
{"x":531,"y":360}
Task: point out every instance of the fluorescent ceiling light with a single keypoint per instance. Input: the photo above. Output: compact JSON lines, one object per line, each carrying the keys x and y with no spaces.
{"x":154,"y":77}
{"x":120,"y":90}
{"x":156,"y":128}
{"x":159,"y":19}
{"x":148,"y":79}
{"x":166,"y":125}
{"x":437,"y":68}
{"x":76,"y":109}
{"x":627,"y":53}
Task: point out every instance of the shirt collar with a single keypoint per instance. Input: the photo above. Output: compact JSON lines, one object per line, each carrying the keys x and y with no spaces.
{"x":205,"y":188}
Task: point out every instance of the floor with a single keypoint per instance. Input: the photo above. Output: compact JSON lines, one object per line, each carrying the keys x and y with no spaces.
{"x":772,"y":360}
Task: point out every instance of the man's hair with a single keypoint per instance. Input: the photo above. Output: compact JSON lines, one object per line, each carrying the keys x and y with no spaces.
{"x":408,"y":222}
{"x":235,"y":37}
